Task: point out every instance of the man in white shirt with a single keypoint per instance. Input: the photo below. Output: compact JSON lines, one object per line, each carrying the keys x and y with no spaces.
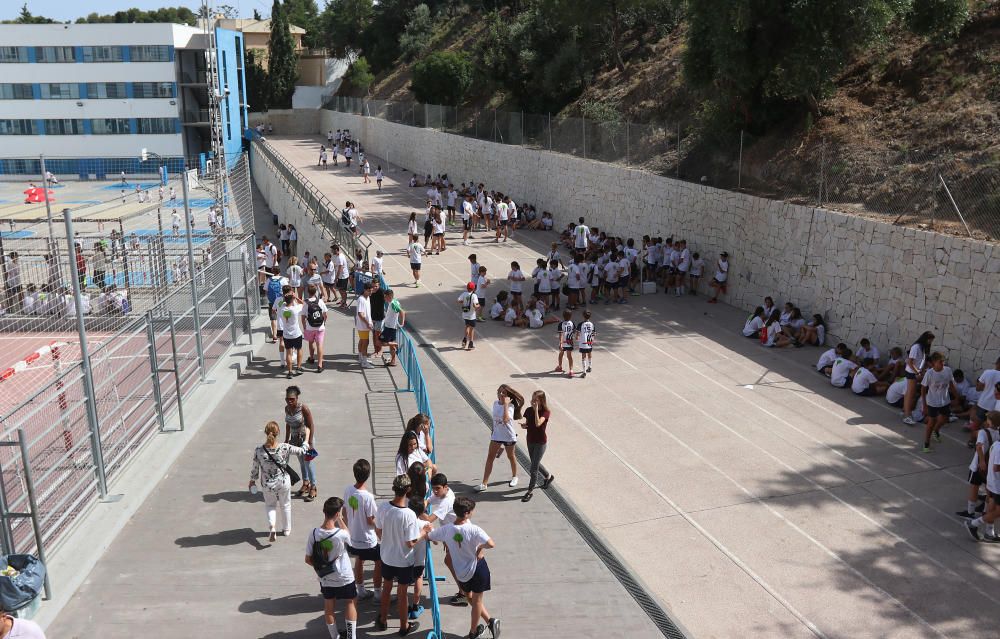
{"x":289,"y":311}
{"x":363,"y":324}
{"x":467,"y":214}
{"x":399,"y":530}
{"x":341,"y":273}
{"x":469,"y":302}
{"x":270,"y":253}
{"x":581,"y":236}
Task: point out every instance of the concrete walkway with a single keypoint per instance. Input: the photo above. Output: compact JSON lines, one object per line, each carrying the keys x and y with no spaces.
{"x":749,"y":495}
{"x":195,"y":560}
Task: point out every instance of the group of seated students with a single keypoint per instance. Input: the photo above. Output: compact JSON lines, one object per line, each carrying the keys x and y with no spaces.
{"x":443,"y":194}
{"x":786,"y":327}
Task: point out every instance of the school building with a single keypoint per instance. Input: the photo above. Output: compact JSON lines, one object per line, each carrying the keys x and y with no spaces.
{"x":88,"y":95}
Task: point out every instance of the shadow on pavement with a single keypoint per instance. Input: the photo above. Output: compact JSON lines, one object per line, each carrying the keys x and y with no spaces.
{"x":233,"y":537}
{"x":233,"y":496}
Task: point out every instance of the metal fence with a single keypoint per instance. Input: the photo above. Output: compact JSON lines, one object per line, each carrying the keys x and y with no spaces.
{"x":113,"y":355}
{"x":956,"y":192}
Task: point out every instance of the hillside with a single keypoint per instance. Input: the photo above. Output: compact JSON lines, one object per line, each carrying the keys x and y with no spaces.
{"x":898,"y":115}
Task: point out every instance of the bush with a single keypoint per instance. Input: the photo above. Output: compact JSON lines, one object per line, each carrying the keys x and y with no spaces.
{"x":939,"y":19}
{"x":417,"y":36}
{"x":443,"y":77}
{"x":360,"y":75}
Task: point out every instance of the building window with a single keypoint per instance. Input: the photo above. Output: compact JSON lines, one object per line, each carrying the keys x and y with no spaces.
{"x":18,"y":127}
{"x":150,"y":53}
{"x":153,"y":89}
{"x":102,"y":90}
{"x":102,"y":54}
{"x":64,"y":127}
{"x":13,"y":54}
{"x":55,"y":54}
{"x":15,"y":92}
{"x":110,"y":126}
{"x":156,"y":125}
{"x":60,"y":91}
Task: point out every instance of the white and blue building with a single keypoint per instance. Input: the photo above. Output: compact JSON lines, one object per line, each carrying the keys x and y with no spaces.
{"x":91,"y":96}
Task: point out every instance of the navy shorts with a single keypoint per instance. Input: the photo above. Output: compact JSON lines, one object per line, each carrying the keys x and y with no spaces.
{"x":414,"y":266}
{"x":418,"y":572}
{"x":471,"y":322}
{"x":467,"y":224}
{"x":938,"y":411}
{"x":981,"y":413}
{"x":350,"y":591}
{"x":402,"y":575}
{"x":480,"y":580}
{"x":293,"y":343}
{"x":868,"y":392}
{"x":388,"y":335}
{"x":365,"y":554}
{"x":910,"y":375}
{"x":568,"y":348}
{"x":976,"y":478}
{"x":342,"y":284}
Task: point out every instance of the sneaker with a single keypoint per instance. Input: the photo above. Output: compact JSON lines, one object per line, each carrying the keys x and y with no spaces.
{"x":480,"y":631}
{"x":495,"y":627}
{"x":342,"y":635}
{"x":365,"y":595}
{"x":952,"y":418}
{"x":991,"y":539}
{"x":415,"y":612}
{"x":381,"y":625}
{"x":973,"y":530}
{"x":472,"y":346}
{"x":288,"y":375}
{"x":570,"y":374}
{"x":965,"y":514}
{"x":927,"y":449}
{"x":588,"y":368}
{"x":583,"y":374}
{"x":548,"y":481}
{"x":458,"y":599}
{"x":559,"y":369}
{"x":937,"y":437}
{"x":981,"y":507}
{"x":513,"y":482}
{"x":481,"y":488}
{"x":409,"y":629}
{"x":909,"y":421}
{"x":465,"y":340}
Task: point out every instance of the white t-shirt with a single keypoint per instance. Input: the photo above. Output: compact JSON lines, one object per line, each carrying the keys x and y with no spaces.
{"x":416,"y":252}
{"x":580,"y":235}
{"x":516,"y":279}
{"x":917,"y":355}
{"x":466,"y":210}
{"x":862,"y":380}
{"x":510,"y":316}
{"x":896,"y":391}
{"x":288,"y":318}
{"x":989,"y":380}
{"x":567,"y":329}
{"x":575,"y":276}
{"x":462,"y":540}
{"x":685,"y":261}
{"x":340,"y":264}
{"x":364,"y":308}
{"x":541,"y":276}
{"x":697,"y":267}
{"x":826,"y":359}
{"x":360,"y":505}
{"x":496,"y":311}
{"x":399,"y":525}
{"x":503,"y":427}
{"x":773,"y":330}
{"x":722,"y":271}
{"x":295,"y":275}
{"x":444,"y":507}
{"x":502,"y":211}
{"x":753,"y":325}
{"x":586,"y":335}
{"x":334,"y":542}
{"x":270,"y":253}
{"x":451,"y":197}
{"x":535,"y":318}
{"x":992,"y":475}
{"x":862,"y":353}
{"x":983,"y":439}
{"x":329,"y":273}
{"x":481,"y":282}
{"x":611,"y":272}
{"x":403,"y":465}
{"x":469,"y":301}
{"x":937,"y":383}
{"x":554,"y":276}
{"x":842,"y":367}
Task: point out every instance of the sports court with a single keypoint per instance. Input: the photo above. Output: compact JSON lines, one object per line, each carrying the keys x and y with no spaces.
{"x":749,"y":495}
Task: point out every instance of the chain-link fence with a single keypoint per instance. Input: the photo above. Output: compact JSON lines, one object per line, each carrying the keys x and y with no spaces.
{"x":104,"y":338}
{"x":956,"y":193}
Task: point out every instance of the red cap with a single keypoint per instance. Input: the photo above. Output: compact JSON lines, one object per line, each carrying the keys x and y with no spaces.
{"x":470,"y":286}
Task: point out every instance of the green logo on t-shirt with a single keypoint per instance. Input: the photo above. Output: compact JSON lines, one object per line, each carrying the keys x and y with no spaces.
{"x":326,"y":545}
{"x":287,"y":314}
{"x":353,"y":502}
{"x":459,"y":539}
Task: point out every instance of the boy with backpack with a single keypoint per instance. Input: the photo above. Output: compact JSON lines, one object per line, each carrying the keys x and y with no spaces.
{"x":273,"y":290}
{"x":359,"y":511}
{"x":326,"y":552}
{"x":314,"y":326}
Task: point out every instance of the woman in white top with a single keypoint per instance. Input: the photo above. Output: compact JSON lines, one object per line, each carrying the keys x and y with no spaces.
{"x":506,"y":410}
{"x":916,"y":361}
{"x":412,"y":232}
{"x":293,"y":240}
{"x":269,"y":465}
{"x":409,"y":452}
{"x":295,"y":275}
{"x":754,"y":323}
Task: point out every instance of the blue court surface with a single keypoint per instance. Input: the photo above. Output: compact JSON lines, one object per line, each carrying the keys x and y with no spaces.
{"x":17,"y":235}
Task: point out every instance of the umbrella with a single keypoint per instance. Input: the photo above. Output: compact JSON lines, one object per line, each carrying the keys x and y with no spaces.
{"x":37,"y":194}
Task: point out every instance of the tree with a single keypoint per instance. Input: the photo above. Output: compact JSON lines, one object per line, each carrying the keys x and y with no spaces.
{"x":282,"y":62}
{"x":257,"y":80}
{"x":305,"y":14}
{"x":359,"y":74}
{"x":256,"y":15}
{"x":227,"y":11}
{"x":938,"y":19}
{"x":381,"y":38}
{"x":416,"y":37}
{"x":755,"y":59}
{"x":178,"y":15}
{"x":343,"y":26}
{"x":443,"y":77}
{"x":26,"y":17}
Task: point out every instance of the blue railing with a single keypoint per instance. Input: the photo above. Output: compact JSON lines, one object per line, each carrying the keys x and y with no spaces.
{"x":407,"y":354}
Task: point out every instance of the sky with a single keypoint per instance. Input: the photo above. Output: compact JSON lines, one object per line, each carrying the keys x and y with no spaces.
{"x":62,"y":10}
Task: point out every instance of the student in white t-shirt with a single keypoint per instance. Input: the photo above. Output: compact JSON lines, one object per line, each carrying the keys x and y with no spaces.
{"x":469,"y":303}
{"x":936,"y":389}
{"x":993,"y":489}
{"x":359,"y":512}
{"x":866,"y":350}
{"x":466,"y":543}
{"x":840,"y":371}
{"x":985,"y":385}
{"x":566,"y":333}
{"x":399,"y":530}
{"x":865,"y":383}
{"x":506,"y":410}
{"x":326,"y":552}
{"x":916,"y":361}
{"x":364,"y":324}
{"x":416,"y":254}
{"x":721,"y":277}
{"x":978,"y":466}
{"x":754,"y":323}
{"x":409,"y":451}
{"x":482,"y":281}
{"x":581,"y":236}
{"x":516,"y":279}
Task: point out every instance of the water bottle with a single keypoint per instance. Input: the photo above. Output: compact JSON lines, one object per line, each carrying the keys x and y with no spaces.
{"x":253,"y":489}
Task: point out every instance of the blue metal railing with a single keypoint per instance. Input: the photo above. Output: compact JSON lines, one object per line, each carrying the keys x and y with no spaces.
{"x":407,"y":354}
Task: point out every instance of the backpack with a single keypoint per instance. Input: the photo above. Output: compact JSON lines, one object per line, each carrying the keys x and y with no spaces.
{"x":314,"y":314}
{"x":345,"y":217}
{"x":321,"y":565}
{"x":273,"y":290}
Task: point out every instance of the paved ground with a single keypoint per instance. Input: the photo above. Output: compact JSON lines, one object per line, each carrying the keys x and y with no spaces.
{"x":744,"y":490}
{"x":195,"y":561}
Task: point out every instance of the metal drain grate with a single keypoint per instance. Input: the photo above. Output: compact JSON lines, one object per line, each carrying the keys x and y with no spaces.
{"x":656,"y":613}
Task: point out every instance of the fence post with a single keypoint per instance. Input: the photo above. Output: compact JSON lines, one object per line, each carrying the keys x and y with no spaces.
{"x":248,"y":281}
{"x":6,"y":536}
{"x":739,"y":169}
{"x":232,"y":302}
{"x":88,"y":376}
{"x":627,"y":162}
{"x":955,"y":205}
{"x":53,"y":249}
{"x":154,"y":368}
{"x":195,"y":314}
{"x":177,"y":370}
{"x":33,"y":504}
{"x":550,"y":131}
{"x":822,"y":168}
